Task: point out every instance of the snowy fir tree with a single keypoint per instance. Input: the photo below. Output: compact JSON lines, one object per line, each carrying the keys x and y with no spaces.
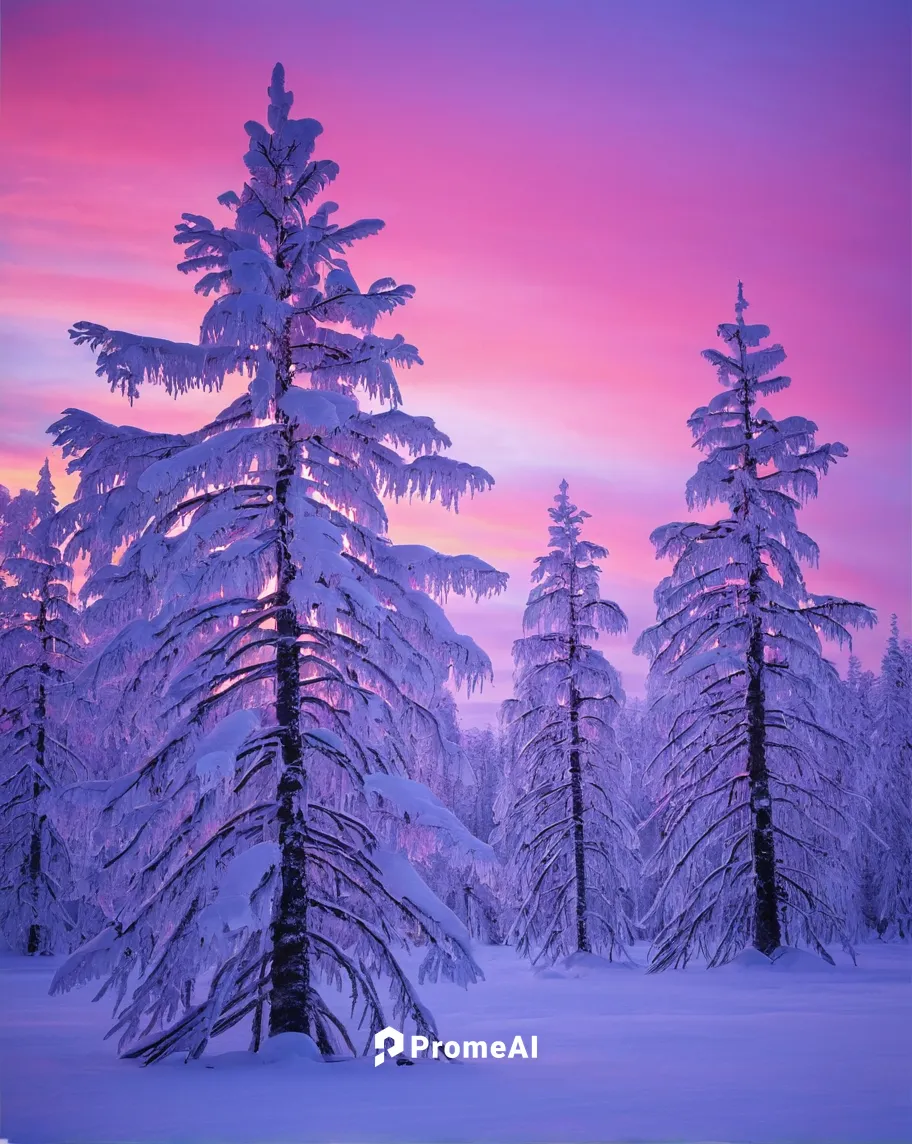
{"x":890,"y":866}
{"x":853,"y":768}
{"x":565,"y":822}
{"x":39,"y":646}
{"x":636,"y":736}
{"x":751,"y":812}
{"x":484,"y":752}
{"x":438,"y":759}
{"x":857,"y":708}
{"x":282,"y":653}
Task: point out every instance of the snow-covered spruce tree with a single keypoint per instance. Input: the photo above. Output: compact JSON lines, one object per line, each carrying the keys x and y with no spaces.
{"x":751,"y":813}
{"x":891,"y":794}
{"x":853,"y":767}
{"x":38,"y":649}
{"x":484,"y":890}
{"x":635,"y":734}
{"x":564,"y":821}
{"x":295,"y":648}
{"x":437,"y":759}
{"x":856,"y":709}
{"x":484,"y":752}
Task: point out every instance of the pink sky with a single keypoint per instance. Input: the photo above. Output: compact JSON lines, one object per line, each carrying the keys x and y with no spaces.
{"x":574,"y":188}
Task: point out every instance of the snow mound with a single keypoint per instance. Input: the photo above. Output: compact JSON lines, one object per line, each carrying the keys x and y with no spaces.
{"x":789,"y":960}
{"x":581,"y":964}
{"x":285,"y":1047}
{"x":747,"y":960}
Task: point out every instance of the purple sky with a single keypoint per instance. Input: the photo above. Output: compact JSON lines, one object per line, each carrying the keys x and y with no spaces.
{"x":574,"y":188}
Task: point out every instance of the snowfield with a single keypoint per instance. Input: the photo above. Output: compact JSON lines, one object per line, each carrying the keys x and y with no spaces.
{"x":795,"y":1052}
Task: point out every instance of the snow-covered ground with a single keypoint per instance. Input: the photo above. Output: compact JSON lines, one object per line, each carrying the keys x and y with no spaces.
{"x":797,"y":1053}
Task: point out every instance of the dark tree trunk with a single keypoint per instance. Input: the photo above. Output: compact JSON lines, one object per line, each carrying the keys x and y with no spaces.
{"x":290,"y":984}
{"x":256,"y":1032}
{"x":576,"y":773}
{"x":33,"y":943}
{"x":767,"y":932}
{"x":579,"y":851}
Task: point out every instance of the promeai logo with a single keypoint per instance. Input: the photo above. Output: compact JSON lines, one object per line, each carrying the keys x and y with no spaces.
{"x":390,"y":1042}
{"x":396,"y":1042}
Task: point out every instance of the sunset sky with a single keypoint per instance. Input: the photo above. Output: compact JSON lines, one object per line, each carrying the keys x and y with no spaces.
{"x":573,"y":187}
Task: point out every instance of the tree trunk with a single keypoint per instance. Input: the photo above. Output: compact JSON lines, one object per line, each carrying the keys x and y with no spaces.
{"x":579,"y":851}
{"x":576,"y":773}
{"x":290,"y":985}
{"x":767,"y":932}
{"x":33,"y":944}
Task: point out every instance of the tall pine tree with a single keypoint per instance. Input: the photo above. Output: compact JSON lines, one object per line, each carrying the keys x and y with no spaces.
{"x":293,"y":654}
{"x":565,"y":821}
{"x":751,"y":812}
{"x":891,"y":794}
{"x":853,"y":768}
{"x":39,"y":646}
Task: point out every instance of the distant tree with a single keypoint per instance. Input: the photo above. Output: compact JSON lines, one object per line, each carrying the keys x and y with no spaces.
{"x":636,"y":735}
{"x":483,"y":897}
{"x":853,"y":767}
{"x":751,"y":811}
{"x":566,"y":824}
{"x":290,"y":652}
{"x":891,"y":794}
{"x":484,"y":752}
{"x":39,"y":912}
{"x":438,"y":760}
